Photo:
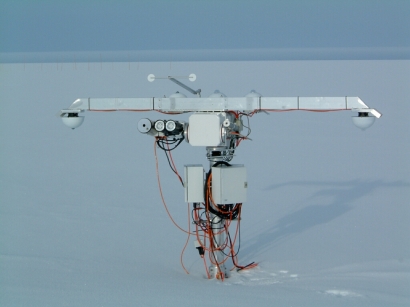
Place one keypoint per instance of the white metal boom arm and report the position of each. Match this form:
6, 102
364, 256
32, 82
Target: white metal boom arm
177, 105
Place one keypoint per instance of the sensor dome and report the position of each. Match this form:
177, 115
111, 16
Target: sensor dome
177, 95
253, 93
363, 122
217, 94
73, 122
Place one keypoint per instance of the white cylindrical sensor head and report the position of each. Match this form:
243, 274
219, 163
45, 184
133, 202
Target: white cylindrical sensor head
170, 125
144, 125
159, 125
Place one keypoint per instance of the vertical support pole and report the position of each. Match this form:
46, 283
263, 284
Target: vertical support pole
217, 269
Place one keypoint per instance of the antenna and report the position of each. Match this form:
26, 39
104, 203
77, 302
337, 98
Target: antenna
191, 77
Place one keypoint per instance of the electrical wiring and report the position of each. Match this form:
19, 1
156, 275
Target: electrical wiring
160, 191
225, 212
250, 114
207, 218
236, 114
249, 125
186, 243
173, 168
233, 253
212, 221
164, 144
172, 164
166, 141
237, 137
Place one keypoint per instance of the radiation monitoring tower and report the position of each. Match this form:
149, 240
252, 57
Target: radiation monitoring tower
219, 124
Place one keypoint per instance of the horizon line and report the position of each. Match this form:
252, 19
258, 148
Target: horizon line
192, 55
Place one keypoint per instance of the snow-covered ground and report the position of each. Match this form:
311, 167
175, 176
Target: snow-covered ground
327, 217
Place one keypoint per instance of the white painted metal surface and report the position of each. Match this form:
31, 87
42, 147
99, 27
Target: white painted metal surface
229, 184
205, 129
221, 104
194, 183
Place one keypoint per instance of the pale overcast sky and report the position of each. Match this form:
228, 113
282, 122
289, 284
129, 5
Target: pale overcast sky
105, 25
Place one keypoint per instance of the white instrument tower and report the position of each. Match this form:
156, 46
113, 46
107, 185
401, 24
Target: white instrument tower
217, 125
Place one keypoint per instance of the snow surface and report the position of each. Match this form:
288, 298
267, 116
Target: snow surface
327, 217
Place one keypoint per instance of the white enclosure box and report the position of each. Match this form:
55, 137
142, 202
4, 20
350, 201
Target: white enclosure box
229, 185
205, 129
194, 183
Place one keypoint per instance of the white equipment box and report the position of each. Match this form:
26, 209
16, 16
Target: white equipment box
229, 185
205, 129
194, 183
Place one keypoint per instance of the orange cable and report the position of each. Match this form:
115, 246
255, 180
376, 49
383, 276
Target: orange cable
209, 234
173, 164
186, 243
160, 189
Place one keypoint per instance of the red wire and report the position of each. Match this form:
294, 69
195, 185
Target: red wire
173, 164
186, 243
206, 228
160, 189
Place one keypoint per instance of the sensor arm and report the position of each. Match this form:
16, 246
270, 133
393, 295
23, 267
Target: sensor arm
316, 104
109, 104
250, 104
195, 92
220, 104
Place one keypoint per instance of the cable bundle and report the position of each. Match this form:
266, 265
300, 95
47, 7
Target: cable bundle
211, 220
